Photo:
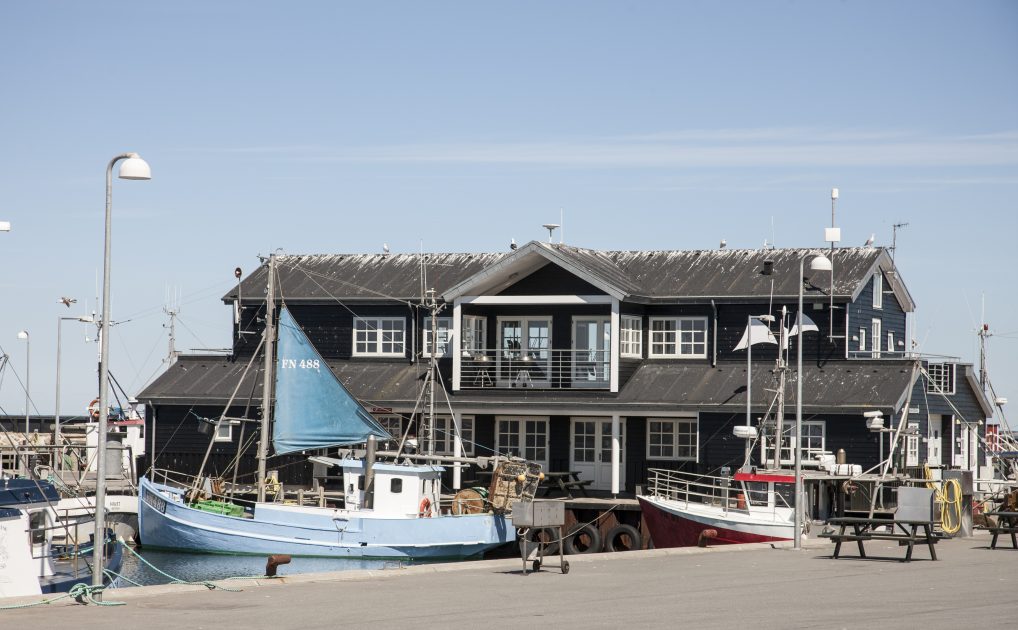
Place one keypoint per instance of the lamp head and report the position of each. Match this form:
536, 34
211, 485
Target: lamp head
821, 263
23, 334
135, 168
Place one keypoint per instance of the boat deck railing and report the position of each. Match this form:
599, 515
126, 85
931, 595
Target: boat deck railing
724, 492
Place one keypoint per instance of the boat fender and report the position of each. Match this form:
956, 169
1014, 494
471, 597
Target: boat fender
273, 563
425, 509
849, 487
582, 539
705, 535
623, 538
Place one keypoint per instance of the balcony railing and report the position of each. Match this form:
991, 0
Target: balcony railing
490, 368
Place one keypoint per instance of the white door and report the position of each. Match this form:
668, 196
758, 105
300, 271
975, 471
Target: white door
934, 456
591, 351
591, 452
962, 451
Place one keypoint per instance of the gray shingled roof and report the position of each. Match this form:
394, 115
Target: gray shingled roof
639, 275
662, 386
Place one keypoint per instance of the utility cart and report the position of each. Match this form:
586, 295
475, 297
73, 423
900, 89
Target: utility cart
534, 516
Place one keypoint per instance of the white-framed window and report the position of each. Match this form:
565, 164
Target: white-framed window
862, 340
912, 445
224, 432
890, 342
684, 337
475, 335
876, 336
524, 352
379, 336
631, 336
445, 435
523, 437
444, 336
394, 424
672, 438
878, 290
941, 378
812, 441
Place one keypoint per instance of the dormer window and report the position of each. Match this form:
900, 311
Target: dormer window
878, 290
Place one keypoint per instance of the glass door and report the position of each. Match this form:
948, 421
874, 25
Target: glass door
524, 356
591, 453
591, 360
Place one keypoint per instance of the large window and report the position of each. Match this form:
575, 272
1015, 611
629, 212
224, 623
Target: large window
475, 335
812, 441
379, 336
527, 438
445, 435
671, 438
631, 337
394, 425
444, 337
878, 290
941, 378
678, 337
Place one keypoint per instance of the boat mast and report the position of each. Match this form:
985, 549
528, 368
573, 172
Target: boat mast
779, 431
432, 369
268, 344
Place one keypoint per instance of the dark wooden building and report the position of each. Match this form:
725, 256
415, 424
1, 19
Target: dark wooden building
604, 362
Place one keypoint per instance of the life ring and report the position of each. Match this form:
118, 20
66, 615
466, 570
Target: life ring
425, 509
93, 409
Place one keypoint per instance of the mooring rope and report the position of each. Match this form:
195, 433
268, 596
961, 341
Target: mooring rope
175, 580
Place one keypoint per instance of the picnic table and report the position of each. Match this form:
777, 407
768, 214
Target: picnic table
1007, 523
905, 532
564, 482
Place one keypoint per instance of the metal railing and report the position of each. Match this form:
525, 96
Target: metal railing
723, 492
538, 368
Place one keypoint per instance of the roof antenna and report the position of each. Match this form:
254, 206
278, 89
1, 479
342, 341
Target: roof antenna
562, 224
894, 238
833, 235
551, 227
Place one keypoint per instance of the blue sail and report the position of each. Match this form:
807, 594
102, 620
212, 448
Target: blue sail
313, 408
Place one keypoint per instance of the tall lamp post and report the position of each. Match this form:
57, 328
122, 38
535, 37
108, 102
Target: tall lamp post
56, 407
133, 168
28, 377
819, 263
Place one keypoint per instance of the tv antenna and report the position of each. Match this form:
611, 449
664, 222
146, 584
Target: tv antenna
894, 238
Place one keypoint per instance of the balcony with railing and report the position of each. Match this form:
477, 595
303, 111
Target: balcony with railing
490, 368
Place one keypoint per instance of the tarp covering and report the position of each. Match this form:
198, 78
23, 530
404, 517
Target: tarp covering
313, 408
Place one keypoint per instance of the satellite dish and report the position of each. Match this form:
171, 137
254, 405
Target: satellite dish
551, 227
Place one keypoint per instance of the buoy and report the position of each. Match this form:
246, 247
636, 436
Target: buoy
740, 501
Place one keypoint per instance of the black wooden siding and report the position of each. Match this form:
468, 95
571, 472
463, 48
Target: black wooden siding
861, 314
551, 280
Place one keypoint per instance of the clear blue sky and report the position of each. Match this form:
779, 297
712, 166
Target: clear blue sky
322, 127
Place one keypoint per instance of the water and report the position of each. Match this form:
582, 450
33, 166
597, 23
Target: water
192, 567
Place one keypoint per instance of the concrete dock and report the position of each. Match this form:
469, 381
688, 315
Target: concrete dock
751, 586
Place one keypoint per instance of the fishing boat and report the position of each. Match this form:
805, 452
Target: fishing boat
390, 509
39, 552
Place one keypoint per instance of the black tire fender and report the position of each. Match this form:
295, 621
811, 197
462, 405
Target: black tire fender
574, 542
614, 540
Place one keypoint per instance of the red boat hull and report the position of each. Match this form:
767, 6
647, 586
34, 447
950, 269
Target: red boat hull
674, 530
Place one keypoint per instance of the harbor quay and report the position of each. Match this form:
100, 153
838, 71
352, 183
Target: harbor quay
757, 585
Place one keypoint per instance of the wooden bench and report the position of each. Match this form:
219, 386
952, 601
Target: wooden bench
1007, 523
906, 533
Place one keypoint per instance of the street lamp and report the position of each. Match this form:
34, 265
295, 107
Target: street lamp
28, 376
133, 168
56, 409
819, 263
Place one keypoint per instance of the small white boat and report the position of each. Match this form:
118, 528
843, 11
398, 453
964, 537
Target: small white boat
40, 553
683, 510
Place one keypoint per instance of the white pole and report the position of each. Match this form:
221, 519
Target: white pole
797, 539
749, 383
616, 452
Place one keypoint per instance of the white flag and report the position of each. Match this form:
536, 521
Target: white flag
808, 325
756, 332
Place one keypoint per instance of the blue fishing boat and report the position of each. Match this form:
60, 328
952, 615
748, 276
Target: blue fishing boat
390, 510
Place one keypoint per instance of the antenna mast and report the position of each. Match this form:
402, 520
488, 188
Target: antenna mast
833, 235
894, 238
172, 353
269, 339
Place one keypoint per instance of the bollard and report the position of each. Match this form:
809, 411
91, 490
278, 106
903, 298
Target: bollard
274, 562
706, 535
